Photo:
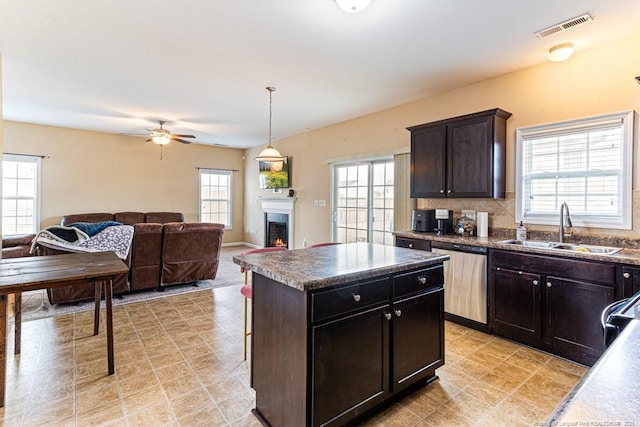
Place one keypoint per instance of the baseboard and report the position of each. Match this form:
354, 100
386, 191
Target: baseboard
251, 245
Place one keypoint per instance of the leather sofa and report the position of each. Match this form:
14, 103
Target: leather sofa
17, 245
165, 251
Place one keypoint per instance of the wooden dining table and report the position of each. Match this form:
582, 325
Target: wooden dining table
19, 275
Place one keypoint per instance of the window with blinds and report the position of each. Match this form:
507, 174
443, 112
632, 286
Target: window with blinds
20, 194
215, 196
586, 163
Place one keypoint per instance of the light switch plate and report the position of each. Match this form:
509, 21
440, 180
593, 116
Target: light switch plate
469, 214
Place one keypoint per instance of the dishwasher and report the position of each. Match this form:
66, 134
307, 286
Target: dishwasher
465, 283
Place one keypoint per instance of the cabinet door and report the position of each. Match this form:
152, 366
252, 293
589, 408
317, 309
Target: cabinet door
573, 317
630, 281
470, 158
515, 305
350, 360
428, 156
418, 338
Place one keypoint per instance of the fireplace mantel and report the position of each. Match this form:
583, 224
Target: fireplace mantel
282, 205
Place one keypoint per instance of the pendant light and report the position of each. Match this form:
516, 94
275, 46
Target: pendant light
353, 6
270, 154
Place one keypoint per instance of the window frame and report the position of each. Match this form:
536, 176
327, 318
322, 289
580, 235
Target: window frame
229, 200
370, 230
26, 158
626, 121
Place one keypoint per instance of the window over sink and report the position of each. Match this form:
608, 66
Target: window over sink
586, 163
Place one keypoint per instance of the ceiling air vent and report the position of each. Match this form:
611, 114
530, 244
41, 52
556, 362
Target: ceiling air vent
563, 26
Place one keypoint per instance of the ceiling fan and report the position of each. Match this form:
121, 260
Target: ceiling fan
162, 136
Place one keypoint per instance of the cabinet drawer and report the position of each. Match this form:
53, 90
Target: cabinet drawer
423, 245
416, 281
345, 299
561, 267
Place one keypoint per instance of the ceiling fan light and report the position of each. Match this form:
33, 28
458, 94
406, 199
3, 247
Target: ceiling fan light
161, 139
269, 154
561, 52
353, 6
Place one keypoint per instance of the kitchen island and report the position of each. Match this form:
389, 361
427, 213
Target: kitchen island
340, 331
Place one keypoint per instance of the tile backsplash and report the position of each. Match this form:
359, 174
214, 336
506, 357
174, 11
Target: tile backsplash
502, 218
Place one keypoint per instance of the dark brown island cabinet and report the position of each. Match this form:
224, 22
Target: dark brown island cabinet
461, 157
551, 303
334, 355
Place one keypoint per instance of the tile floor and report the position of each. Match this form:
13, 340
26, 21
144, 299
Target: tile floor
179, 363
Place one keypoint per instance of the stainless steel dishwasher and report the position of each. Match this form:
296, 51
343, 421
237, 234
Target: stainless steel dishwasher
465, 283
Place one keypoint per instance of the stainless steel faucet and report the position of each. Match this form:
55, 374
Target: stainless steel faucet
564, 207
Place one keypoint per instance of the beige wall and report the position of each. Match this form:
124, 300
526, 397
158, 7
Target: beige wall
590, 83
85, 171
1, 138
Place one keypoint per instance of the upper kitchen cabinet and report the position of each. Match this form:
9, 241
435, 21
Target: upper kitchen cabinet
461, 157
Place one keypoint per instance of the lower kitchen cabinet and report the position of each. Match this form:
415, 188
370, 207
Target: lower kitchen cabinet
630, 281
343, 351
550, 303
327, 357
516, 304
418, 338
573, 315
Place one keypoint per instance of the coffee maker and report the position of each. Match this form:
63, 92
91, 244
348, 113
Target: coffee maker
424, 220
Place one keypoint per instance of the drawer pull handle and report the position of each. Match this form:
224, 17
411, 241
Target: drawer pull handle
387, 316
549, 284
626, 275
422, 280
410, 245
536, 283
356, 297
398, 313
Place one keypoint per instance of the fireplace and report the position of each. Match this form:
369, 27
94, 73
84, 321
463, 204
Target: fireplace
278, 221
276, 230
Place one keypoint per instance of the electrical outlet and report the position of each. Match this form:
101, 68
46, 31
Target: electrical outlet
322, 203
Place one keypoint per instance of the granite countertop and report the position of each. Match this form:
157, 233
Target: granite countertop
314, 268
609, 393
626, 256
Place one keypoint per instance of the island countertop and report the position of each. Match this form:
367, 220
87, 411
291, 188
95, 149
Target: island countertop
314, 268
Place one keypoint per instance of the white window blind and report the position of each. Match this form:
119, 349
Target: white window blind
20, 194
585, 163
215, 196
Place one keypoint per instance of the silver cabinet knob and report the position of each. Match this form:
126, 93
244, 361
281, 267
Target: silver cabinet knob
519, 272
626, 275
398, 313
536, 283
498, 269
387, 316
410, 245
448, 191
422, 280
441, 191
356, 297
549, 284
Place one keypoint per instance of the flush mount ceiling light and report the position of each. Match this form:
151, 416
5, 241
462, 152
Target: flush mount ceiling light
561, 52
353, 6
269, 154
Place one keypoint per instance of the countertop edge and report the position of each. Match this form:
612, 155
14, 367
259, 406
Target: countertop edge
626, 256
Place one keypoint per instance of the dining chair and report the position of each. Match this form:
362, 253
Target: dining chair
247, 291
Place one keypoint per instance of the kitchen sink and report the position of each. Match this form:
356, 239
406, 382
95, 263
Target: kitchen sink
594, 249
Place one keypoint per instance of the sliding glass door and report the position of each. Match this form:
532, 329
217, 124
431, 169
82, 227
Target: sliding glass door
363, 202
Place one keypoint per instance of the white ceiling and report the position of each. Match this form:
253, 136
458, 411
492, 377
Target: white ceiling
203, 65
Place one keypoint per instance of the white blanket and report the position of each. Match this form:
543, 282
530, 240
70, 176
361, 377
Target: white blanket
116, 238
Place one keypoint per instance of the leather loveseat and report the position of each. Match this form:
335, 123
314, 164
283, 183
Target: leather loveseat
16, 245
165, 251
